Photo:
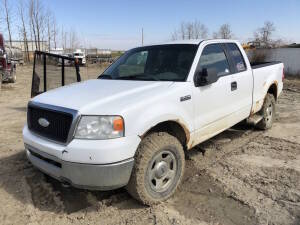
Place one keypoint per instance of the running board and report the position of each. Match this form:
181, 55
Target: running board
254, 119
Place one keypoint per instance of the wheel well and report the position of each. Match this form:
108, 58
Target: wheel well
273, 90
173, 128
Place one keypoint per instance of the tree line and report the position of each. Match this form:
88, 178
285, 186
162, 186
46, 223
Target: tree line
197, 30
31, 21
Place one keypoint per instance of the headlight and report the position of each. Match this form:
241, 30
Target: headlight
100, 127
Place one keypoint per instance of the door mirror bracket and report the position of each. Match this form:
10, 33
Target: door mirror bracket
205, 77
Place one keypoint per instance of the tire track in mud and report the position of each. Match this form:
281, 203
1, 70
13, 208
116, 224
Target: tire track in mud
200, 196
262, 175
50, 195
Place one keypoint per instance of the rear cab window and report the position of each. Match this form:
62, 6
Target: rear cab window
213, 56
237, 57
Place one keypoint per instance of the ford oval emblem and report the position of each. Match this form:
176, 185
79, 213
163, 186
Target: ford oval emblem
43, 122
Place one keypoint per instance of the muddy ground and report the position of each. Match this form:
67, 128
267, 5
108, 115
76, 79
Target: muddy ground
242, 176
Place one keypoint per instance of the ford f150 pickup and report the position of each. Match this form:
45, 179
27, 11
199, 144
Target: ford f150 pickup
132, 125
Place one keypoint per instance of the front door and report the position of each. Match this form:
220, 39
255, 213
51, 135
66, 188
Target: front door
213, 102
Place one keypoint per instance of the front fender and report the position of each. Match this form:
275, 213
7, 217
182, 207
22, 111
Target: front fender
148, 117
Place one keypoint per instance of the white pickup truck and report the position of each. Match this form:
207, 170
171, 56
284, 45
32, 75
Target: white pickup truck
132, 125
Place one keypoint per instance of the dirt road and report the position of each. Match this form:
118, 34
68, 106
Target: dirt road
242, 176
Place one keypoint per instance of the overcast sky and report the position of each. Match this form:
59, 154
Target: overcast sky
117, 24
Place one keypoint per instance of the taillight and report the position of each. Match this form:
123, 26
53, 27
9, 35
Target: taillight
282, 74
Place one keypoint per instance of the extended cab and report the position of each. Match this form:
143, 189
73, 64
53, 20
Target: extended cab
131, 126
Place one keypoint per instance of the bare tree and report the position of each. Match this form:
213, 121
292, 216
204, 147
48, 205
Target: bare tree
1, 18
38, 22
55, 32
23, 29
64, 35
190, 30
215, 35
225, 31
73, 39
8, 20
49, 21
174, 35
182, 30
200, 30
264, 33
32, 22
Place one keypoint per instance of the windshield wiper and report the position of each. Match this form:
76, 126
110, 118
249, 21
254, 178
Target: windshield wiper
138, 77
105, 76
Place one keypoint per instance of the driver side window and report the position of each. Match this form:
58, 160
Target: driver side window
213, 56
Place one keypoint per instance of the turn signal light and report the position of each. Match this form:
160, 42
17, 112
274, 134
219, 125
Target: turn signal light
118, 124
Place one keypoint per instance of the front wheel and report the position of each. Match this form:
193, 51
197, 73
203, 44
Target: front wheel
158, 170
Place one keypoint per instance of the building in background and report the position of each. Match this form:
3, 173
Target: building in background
18, 44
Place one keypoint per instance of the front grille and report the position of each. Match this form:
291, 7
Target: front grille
59, 123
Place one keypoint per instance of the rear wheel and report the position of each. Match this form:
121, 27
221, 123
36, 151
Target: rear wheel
159, 167
267, 112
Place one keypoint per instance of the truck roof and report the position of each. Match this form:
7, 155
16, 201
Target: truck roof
193, 41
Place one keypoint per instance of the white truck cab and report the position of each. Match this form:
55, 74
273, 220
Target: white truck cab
131, 126
80, 55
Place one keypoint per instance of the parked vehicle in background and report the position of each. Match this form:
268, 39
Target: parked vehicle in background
130, 126
7, 66
95, 55
78, 54
15, 55
66, 61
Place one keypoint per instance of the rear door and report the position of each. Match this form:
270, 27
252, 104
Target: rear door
242, 81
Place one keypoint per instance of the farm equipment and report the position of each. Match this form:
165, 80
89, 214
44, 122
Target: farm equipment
51, 71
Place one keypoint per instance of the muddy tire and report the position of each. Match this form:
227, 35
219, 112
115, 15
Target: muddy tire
268, 113
158, 169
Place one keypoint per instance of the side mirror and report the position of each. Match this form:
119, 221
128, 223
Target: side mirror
205, 77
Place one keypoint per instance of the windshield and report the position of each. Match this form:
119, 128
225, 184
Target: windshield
160, 63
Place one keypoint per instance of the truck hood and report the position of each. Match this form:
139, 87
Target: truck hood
101, 96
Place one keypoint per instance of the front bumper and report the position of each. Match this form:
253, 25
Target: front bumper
88, 164
81, 175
